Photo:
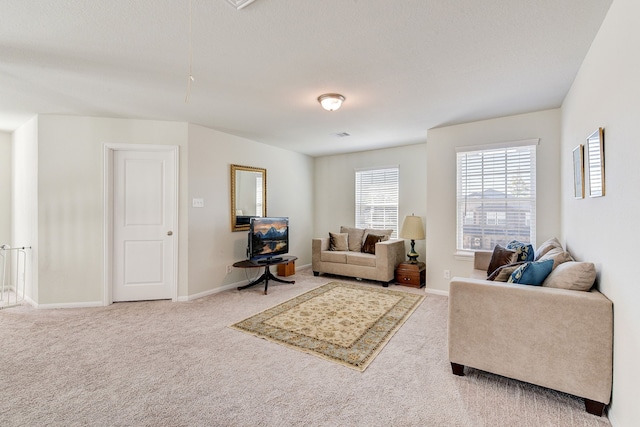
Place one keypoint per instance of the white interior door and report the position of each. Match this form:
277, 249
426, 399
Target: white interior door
144, 221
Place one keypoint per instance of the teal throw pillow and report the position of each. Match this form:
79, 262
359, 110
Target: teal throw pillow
524, 251
532, 273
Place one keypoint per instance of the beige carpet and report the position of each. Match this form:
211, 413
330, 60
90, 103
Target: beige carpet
345, 323
178, 364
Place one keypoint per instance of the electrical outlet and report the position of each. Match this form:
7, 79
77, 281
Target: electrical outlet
447, 274
229, 269
197, 203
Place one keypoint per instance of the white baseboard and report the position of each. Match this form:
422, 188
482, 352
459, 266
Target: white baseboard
225, 287
436, 292
68, 305
211, 291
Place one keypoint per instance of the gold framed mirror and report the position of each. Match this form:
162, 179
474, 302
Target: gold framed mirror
248, 195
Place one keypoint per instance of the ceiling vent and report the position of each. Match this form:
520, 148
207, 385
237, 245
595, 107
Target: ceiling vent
342, 134
239, 4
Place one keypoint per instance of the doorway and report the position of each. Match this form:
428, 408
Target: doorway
141, 212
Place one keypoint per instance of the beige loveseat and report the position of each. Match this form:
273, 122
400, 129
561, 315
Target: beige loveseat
352, 262
556, 338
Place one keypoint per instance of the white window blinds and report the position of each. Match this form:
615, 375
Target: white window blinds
377, 199
496, 196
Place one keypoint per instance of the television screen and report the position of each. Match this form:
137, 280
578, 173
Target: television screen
268, 238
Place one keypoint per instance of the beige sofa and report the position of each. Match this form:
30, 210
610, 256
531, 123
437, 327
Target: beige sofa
556, 338
354, 263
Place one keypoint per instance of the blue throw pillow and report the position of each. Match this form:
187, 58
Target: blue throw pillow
524, 251
532, 273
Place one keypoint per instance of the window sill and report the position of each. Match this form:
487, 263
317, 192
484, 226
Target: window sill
461, 255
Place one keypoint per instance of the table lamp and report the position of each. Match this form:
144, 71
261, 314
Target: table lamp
412, 229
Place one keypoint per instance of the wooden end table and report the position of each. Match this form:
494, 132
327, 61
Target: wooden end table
411, 274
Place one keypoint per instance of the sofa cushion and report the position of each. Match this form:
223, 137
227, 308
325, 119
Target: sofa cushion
525, 250
500, 256
370, 241
356, 235
558, 255
333, 256
502, 274
361, 258
546, 247
532, 273
338, 241
572, 275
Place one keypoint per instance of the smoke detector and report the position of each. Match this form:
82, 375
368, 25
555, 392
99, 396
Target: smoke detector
239, 4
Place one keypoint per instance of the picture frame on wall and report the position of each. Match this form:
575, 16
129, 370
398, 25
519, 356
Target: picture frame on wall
595, 156
578, 172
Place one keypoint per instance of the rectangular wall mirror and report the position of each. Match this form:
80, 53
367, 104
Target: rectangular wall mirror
248, 195
595, 156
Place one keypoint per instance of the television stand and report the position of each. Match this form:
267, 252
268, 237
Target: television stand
267, 275
270, 261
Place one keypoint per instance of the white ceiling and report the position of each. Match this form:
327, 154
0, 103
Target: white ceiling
405, 66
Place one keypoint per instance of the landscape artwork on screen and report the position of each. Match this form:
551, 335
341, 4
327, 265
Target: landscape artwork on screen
269, 236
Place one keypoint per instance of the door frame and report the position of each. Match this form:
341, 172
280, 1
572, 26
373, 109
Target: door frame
108, 181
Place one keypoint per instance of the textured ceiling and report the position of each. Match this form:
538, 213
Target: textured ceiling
404, 66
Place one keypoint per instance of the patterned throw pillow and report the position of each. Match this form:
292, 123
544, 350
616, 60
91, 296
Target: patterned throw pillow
502, 274
525, 251
532, 273
338, 241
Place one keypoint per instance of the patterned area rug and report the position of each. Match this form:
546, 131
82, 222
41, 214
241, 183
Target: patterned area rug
345, 323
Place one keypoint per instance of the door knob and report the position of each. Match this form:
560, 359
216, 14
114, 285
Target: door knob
169, 233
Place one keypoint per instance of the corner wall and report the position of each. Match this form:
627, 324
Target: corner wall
212, 244
606, 93
5, 188
441, 184
70, 201
335, 187
24, 199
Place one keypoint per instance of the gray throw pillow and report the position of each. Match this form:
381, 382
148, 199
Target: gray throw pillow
338, 241
356, 236
572, 275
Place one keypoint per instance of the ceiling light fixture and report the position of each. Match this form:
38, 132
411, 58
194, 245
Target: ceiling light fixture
331, 101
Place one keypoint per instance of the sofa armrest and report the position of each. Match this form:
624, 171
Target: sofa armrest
554, 338
389, 254
318, 245
481, 260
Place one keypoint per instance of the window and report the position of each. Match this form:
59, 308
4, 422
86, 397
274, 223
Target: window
496, 195
377, 199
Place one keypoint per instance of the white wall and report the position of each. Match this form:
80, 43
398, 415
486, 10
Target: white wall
5, 188
24, 199
212, 244
71, 200
606, 93
334, 203
441, 183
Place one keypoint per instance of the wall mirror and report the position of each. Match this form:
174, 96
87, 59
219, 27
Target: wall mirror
595, 157
248, 195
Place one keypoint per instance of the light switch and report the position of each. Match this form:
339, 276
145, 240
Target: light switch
198, 203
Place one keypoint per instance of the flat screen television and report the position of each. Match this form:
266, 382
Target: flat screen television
268, 238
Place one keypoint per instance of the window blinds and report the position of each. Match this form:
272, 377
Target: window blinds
496, 196
377, 199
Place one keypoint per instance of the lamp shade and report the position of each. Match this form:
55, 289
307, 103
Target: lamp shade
412, 228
